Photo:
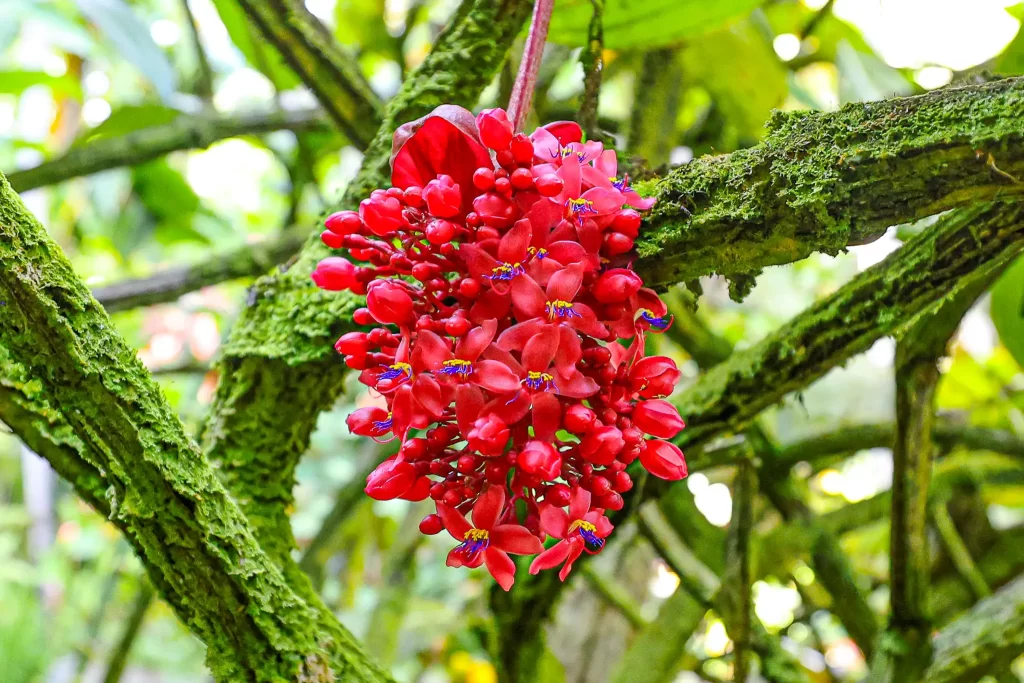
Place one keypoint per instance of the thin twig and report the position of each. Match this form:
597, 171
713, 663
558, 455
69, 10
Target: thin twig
958, 551
119, 656
522, 90
614, 595
204, 81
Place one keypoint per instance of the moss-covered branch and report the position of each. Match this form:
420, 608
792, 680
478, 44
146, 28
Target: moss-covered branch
279, 367
250, 260
321, 63
983, 640
185, 132
70, 380
876, 303
823, 181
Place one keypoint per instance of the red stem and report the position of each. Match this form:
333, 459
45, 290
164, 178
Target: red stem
522, 89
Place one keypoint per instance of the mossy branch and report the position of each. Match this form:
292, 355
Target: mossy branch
279, 367
64, 369
320, 62
250, 260
823, 181
983, 640
185, 132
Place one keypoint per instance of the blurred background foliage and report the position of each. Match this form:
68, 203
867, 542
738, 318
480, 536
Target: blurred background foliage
75, 73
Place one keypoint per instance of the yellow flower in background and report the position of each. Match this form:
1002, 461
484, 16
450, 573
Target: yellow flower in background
467, 669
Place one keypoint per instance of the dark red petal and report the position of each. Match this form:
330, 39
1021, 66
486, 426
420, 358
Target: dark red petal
552, 557
566, 131
569, 351
579, 504
515, 337
454, 522
553, 521
587, 322
515, 539
565, 284
547, 416
575, 550
501, 567
429, 352
540, 350
496, 377
427, 393
577, 385
528, 299
512, 248
476, 340
468, 402
479, 262
487, 507
491, 305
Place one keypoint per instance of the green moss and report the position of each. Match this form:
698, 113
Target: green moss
822, 181
112, 431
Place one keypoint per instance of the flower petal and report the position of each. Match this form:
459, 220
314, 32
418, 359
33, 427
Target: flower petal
477, 260
577, 385
553, 521
528, 299
492, 304
429, 352
540, 351
472, 344
516, 539
512, 248
454, 522
487, 507
547, 416
569, 351
501, 567
469, 401
516, 337
575, 549
552, 557
565, 284
496, 377
579, 504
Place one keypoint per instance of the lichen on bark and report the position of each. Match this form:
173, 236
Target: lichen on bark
59, 349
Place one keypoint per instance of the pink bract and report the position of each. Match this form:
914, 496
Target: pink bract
508, 351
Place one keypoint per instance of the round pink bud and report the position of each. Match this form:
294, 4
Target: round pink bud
522, 149
344, 223
616, 285
390, 480
549, 185
602, 445
483, 179
540, 459
658, 418
578, 418
558, 495
440, 231
615, 243
443, 197
352, 344
495, 128
382, 214
664, 460
431, 525
489, 435
332, 239
654, 376
334, 274
495, 209
627, 222
389, 302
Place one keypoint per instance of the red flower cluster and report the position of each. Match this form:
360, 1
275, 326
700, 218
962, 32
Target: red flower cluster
498, 274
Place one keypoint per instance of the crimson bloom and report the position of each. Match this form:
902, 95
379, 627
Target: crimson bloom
486, 541
581, 529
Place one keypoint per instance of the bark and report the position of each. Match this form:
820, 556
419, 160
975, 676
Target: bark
250, 260
822, 181
321, 63
279, 367
878, 302
71, 384
983, 640
185, 132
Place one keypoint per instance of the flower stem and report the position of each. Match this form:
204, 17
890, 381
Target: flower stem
522, 90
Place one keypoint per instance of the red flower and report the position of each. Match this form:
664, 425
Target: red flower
486, 541
581, 529
496, 321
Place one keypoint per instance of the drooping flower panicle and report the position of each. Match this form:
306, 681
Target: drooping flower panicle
509, 336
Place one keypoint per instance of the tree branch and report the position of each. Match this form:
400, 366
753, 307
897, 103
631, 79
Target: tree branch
988, 636
958, 551
326, 69
59, 349
279, 367
824, 181
185, 132
250, 260
614, 595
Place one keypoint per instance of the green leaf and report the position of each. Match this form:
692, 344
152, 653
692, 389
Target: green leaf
16, 82
128, 119
1012, 59
163, 190
1008, 310
863, 77
359, 24
131, 38
738, 67
644, 23
257, 52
